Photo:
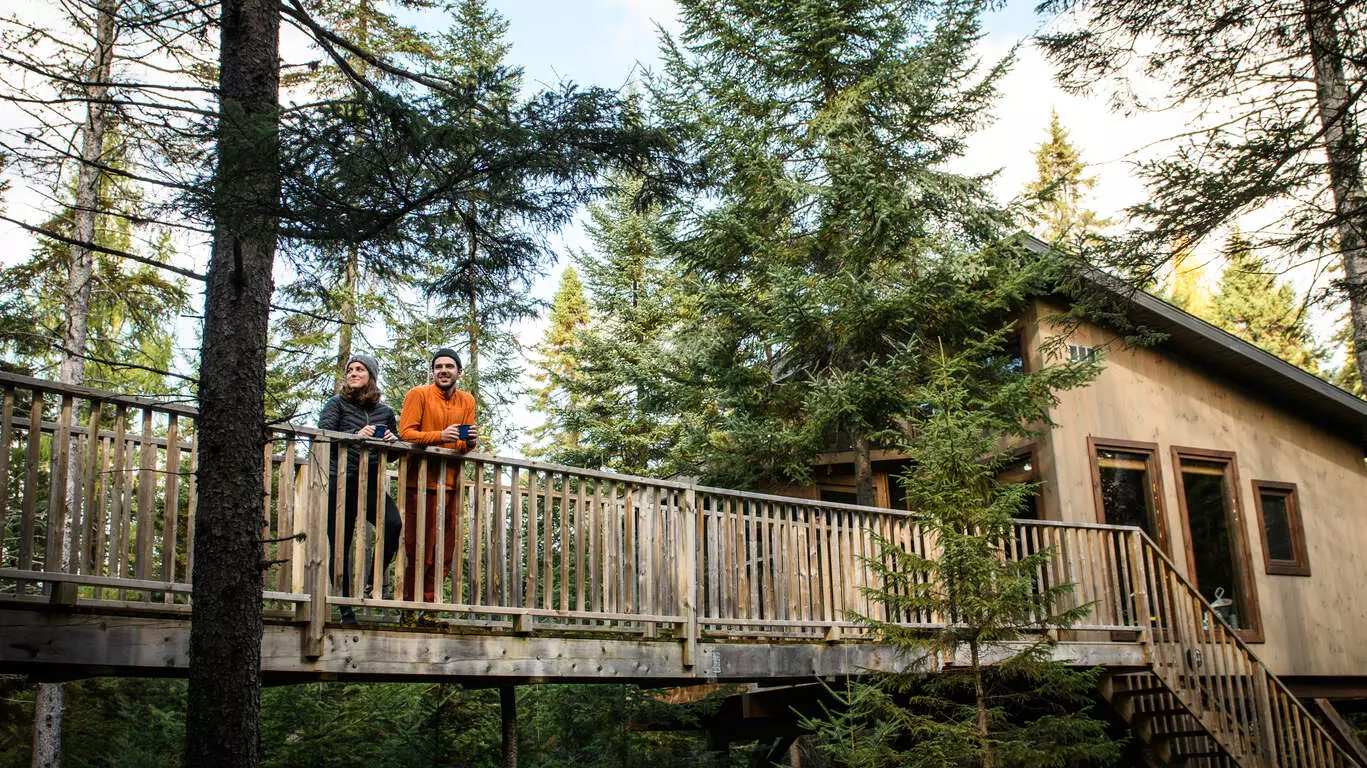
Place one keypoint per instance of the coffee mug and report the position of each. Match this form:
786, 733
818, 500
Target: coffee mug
465, 431
379, 431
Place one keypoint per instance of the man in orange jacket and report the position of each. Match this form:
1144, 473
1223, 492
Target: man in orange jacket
440, 415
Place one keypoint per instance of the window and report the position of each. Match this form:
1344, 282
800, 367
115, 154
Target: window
1126, 486
1078, 353
1284, 550
839, 495
1217, 543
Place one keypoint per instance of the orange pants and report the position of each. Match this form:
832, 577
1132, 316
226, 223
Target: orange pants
430, 577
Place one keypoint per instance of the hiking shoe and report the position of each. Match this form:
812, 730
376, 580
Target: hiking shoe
408, 619
348, 616
426, 620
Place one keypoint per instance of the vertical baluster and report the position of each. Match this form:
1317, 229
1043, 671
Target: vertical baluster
565, 542
170, 516
580, 543
190, 515
515, 553
82, 534
375, 574
439, 532
6, 437
59, 502
498, 542
29, 505
146, 495
358, 523
286, 505
268, 453
547, 540
535, 512
464, 532
595, 558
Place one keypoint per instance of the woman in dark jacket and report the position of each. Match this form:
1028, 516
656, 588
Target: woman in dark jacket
358, 410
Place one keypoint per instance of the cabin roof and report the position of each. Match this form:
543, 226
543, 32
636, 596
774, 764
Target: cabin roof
1240, 363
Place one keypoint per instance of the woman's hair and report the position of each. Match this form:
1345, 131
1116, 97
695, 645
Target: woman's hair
367, 394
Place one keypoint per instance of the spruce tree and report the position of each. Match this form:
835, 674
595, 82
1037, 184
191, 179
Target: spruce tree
1055, 202
555, 364
1004, 701
830, 242
634, 409
1253, 305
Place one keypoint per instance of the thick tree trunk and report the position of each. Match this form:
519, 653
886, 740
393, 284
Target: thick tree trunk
507, 697
1345, 161
47, 714
980, 699
863, 470
47, 727
344, 334
222, 719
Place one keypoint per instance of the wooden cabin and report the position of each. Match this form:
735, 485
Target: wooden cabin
1248, 472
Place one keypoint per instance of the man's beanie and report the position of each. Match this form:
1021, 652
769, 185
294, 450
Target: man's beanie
445, 352
369, 363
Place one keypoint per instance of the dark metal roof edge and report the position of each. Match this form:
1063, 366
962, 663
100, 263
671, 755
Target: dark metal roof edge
1179, 320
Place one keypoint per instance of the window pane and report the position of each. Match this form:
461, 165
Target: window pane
1203, 484
839, 497
1126, 490
1277, 525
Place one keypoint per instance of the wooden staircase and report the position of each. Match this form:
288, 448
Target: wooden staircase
1207, 700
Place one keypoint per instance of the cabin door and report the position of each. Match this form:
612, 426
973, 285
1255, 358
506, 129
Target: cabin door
1217, 546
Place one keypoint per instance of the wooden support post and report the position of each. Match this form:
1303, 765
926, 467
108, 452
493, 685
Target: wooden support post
1263, 727
314, 510
689, 582
507, 698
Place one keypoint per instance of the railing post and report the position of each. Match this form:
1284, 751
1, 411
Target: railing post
1140, 605
691, 563
1262, 730
314, 613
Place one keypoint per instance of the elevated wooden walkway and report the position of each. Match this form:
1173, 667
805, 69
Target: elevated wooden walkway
560, 574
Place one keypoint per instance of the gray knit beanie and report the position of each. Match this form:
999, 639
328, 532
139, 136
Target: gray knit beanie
370, 365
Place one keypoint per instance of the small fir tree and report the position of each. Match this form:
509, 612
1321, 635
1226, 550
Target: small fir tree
1005, 701
556, 363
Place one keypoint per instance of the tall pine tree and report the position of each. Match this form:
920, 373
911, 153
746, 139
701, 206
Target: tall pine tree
831, 242
1056, 201
556, 362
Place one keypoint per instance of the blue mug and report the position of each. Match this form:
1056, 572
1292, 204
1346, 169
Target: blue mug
465, 431
379, 431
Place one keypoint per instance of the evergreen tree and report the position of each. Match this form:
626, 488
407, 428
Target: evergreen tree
556, 362
630, 400
1055, 202
830, 242
1253, 305
1006, 701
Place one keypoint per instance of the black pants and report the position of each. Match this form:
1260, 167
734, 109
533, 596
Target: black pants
393, 526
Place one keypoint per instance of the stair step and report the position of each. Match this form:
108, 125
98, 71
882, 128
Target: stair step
1143, 691
1170, 735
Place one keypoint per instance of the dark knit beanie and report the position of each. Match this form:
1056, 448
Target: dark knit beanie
370, 365
446, 352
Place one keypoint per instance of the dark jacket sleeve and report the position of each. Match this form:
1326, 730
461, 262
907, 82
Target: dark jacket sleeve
331, 417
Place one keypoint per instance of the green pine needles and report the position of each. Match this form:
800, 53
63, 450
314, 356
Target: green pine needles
974, 625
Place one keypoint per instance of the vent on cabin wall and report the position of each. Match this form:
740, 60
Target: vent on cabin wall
1078, 353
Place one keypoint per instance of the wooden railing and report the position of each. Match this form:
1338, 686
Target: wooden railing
99, 509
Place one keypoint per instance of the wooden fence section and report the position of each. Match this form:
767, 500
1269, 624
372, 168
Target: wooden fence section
99, 509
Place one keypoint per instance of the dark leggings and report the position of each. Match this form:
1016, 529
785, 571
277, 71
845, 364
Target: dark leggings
393, 526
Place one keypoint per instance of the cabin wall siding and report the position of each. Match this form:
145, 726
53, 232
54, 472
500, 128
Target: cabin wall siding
1312, 625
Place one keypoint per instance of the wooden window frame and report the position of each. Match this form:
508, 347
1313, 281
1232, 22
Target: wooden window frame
1300, 566
1160, 520
1234, 518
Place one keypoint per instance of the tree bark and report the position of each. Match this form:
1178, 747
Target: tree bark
980, 699
47, 727
1345, 161
47, 713
507, 698
863, 470
224, 699
344, 333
